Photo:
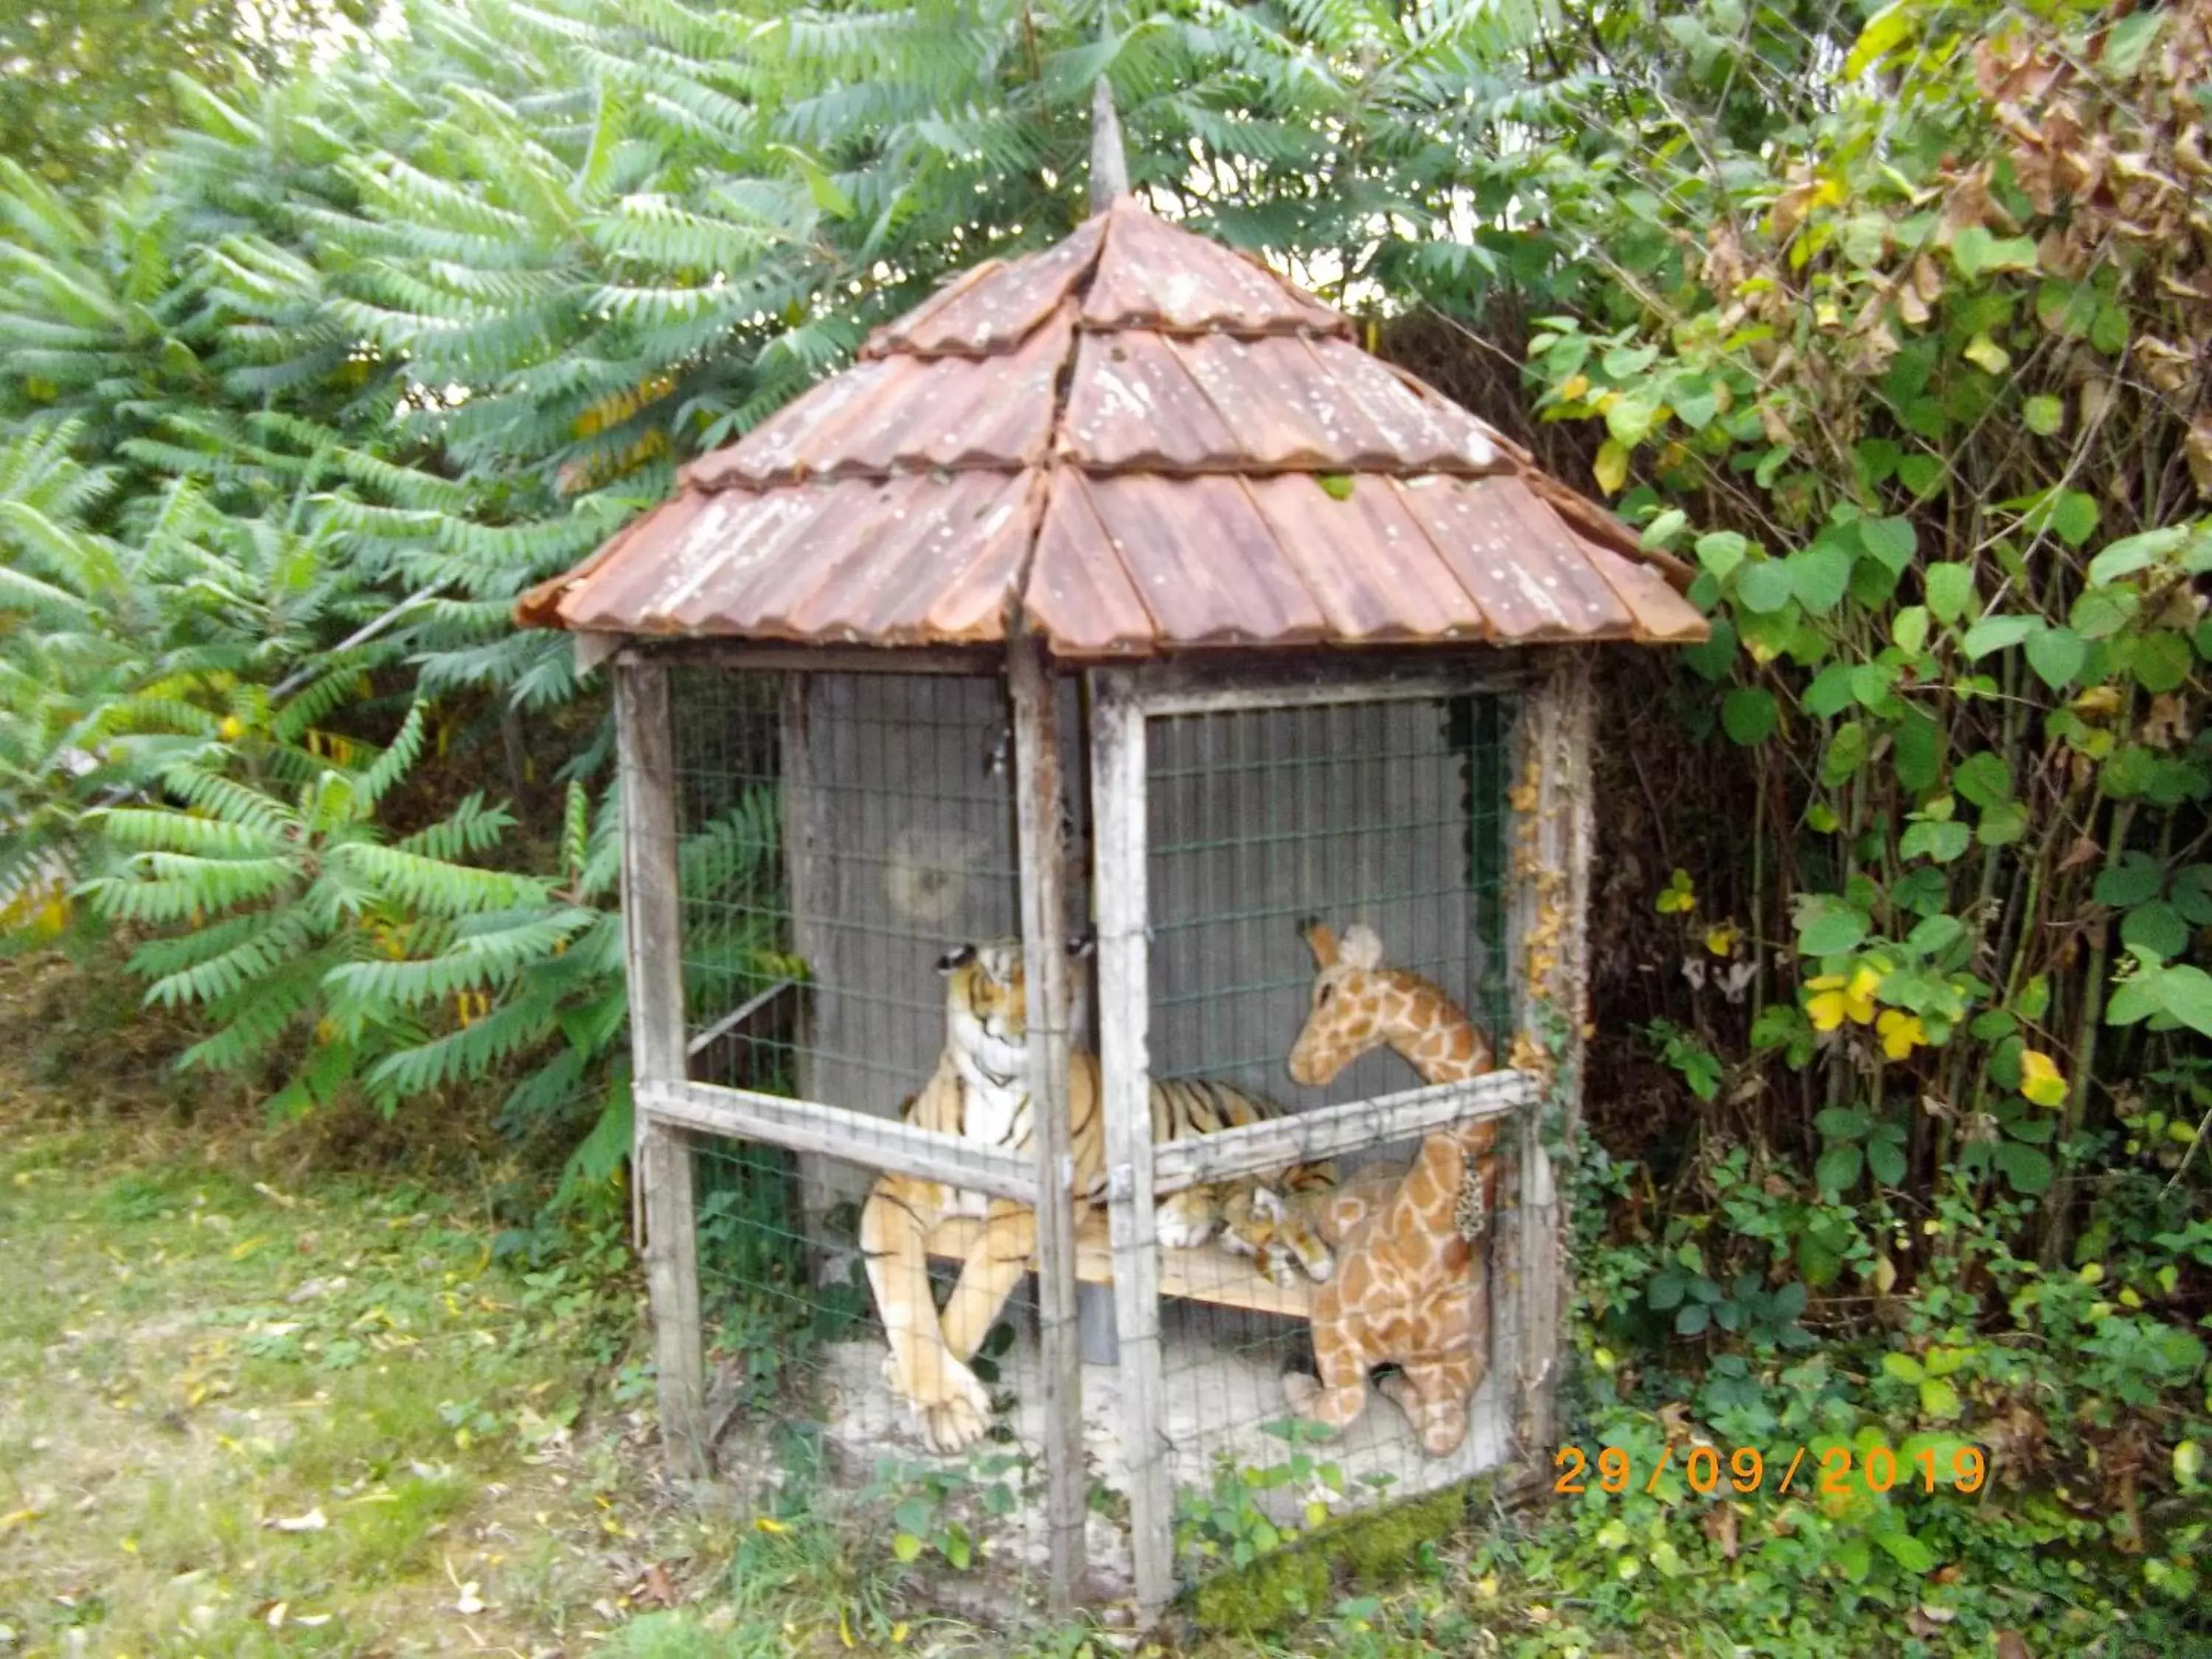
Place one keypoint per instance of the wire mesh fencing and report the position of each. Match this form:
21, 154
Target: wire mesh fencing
839, 833
1384, 822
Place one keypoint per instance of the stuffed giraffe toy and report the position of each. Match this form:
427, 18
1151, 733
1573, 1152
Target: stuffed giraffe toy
1408, 1290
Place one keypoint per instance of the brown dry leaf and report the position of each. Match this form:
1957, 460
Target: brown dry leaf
2198, 446
2168, 725
1719, 1524
2166, 365
2086, 850
1790, 207
1927, 279
2009, 1645
1970, 203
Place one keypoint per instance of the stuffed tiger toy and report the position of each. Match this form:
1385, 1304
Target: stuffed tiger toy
980, 1091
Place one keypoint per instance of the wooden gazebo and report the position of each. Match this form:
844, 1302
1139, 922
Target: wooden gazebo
1122, 488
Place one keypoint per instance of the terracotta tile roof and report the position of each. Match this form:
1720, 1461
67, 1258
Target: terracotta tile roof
1143, 441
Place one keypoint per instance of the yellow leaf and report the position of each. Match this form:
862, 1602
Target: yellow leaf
1720, 940
1985, 353
1901, 1033
1612, 466
769, 1524
16, 1518
1884, 31
1859, 996
230, 729
2040, 1079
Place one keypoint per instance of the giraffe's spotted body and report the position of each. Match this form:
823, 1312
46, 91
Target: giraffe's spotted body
1409, 1289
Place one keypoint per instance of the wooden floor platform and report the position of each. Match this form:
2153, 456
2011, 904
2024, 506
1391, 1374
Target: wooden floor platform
1208, 1273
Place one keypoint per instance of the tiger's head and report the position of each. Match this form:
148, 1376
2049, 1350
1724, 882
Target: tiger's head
987, 1010
1281, 1242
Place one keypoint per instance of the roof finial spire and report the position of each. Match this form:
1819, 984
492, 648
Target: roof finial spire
1110, 169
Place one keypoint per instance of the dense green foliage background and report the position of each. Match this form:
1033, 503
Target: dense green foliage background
1892, 322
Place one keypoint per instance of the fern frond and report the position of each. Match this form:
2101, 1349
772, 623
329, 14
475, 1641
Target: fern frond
435, 886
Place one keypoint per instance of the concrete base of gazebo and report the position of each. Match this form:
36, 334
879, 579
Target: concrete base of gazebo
1227, 1370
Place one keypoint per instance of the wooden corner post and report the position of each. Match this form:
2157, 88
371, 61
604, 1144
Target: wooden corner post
1039, 812
1118, 834
661, 1157
1552, 830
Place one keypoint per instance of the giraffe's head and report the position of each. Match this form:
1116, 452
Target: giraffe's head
1343, 1023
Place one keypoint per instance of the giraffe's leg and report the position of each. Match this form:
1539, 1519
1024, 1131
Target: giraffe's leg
1002, 1253
1340, 1355
1434, 1395
1442, 1382
949, 1402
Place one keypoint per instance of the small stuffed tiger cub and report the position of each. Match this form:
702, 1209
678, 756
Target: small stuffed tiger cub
1267, 1217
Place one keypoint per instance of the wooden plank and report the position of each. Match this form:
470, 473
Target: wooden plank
817, 659
810, 1126
1117, 804
660, 1155
737, 1016
1194, 686
1207, 1274
1557, 883
1038, 806
1329, 1131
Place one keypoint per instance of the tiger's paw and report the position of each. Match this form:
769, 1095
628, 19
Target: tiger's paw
952, 1427
960, 1415
1181, 1229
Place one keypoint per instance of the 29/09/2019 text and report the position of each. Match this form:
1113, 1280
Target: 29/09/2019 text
1837, 1469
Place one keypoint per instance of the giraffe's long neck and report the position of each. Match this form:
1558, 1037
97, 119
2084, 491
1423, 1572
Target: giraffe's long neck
1427, 1197
1428, 1030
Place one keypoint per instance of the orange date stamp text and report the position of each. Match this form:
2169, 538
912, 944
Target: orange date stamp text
1831, 1471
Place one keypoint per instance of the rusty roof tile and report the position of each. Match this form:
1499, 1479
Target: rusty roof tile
1529, 576
910, 413
1132, 403
1370, 567
996, 310
939, 564
1080, 594
1204, 560
1662, 617
1153, 275
1131, 462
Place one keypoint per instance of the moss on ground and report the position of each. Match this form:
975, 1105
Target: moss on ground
1367, 1550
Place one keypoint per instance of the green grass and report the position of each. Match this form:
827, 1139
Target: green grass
238, 1418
